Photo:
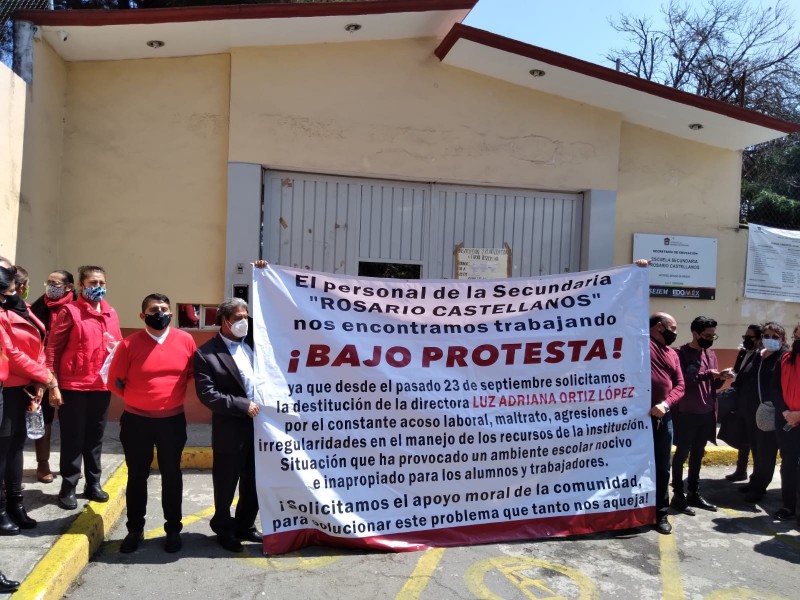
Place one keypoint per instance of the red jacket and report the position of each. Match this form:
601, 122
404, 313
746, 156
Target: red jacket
24, 347
76, 347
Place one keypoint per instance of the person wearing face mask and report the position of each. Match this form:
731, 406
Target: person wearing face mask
764, 443
745, 370
6, 585
59, 290
150, 371
787, 426
82, 335
223, 378
666, 390
22, 339
695, 421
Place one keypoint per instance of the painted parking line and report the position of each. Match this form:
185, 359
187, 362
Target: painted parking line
762, 527
421, 575
669, 561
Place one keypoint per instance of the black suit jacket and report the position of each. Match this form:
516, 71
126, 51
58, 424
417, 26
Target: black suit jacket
220, 387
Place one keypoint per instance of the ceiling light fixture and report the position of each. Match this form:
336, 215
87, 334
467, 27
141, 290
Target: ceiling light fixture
537, 73
352, 27
696, 126
155, 44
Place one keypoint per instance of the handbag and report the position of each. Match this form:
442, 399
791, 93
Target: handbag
727, 403
732, 431
765, 416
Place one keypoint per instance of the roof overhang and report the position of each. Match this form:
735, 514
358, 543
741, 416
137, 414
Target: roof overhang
83, 35
637, 100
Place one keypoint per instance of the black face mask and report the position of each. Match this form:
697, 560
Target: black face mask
796, 347
748, 343
704, 343
157, 321
669, 336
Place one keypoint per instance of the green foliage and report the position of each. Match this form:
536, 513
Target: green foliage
768, 208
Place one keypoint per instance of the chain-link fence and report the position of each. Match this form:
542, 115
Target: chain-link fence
771, 209
7, 10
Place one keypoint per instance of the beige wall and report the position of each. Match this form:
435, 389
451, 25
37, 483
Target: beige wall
144, 177
141, 186
12, 125
391, 109
39, 232
673, 186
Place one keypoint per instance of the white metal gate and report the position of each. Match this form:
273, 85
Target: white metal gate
330, 224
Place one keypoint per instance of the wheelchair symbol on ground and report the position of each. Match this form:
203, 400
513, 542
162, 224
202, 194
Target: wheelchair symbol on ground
532, 578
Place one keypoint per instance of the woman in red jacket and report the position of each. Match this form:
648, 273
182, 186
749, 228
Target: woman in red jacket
787, 426
80, 339
6, 585
22, 338
59, 290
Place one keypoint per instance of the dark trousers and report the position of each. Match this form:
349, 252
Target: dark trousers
662, 448
229, 469
691, 434
12, 439
765, 455
138, 436
83, 419
789, 443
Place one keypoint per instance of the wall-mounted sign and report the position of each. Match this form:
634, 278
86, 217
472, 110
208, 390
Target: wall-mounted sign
482, 263
773, 264
680, 266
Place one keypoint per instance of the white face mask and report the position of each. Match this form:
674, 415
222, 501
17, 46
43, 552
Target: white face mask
772, 345
239, 328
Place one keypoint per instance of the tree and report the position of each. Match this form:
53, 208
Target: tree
736, 52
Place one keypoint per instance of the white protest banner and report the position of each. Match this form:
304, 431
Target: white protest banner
773, 264
407, 414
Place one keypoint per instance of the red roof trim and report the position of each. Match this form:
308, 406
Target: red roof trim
492, 40
94, 18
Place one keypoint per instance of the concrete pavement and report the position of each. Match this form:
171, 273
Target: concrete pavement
52, 556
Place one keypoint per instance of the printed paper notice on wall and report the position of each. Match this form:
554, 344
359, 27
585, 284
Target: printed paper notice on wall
680, 266
773, 264
482, 263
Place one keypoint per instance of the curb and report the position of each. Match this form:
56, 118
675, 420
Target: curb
720, 456
53, 575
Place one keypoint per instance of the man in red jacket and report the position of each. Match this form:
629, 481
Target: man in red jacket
150, 371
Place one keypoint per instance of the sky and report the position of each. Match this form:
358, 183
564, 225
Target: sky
579, 28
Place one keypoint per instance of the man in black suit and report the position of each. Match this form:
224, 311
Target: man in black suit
223, 377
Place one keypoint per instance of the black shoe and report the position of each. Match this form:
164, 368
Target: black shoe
7, 585
67, 499
95, 493
679, 504
785, 514
663, 526
173, 542
249, 535
20, 516
7, 526
230, 543
131, 542
737, 476
698, 501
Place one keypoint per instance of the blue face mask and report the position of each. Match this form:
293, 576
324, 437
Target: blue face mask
771, 345
94, 294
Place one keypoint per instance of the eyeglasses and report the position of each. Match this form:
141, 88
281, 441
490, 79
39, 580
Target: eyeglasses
710, 338
767, 336
55, 284
748, 337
